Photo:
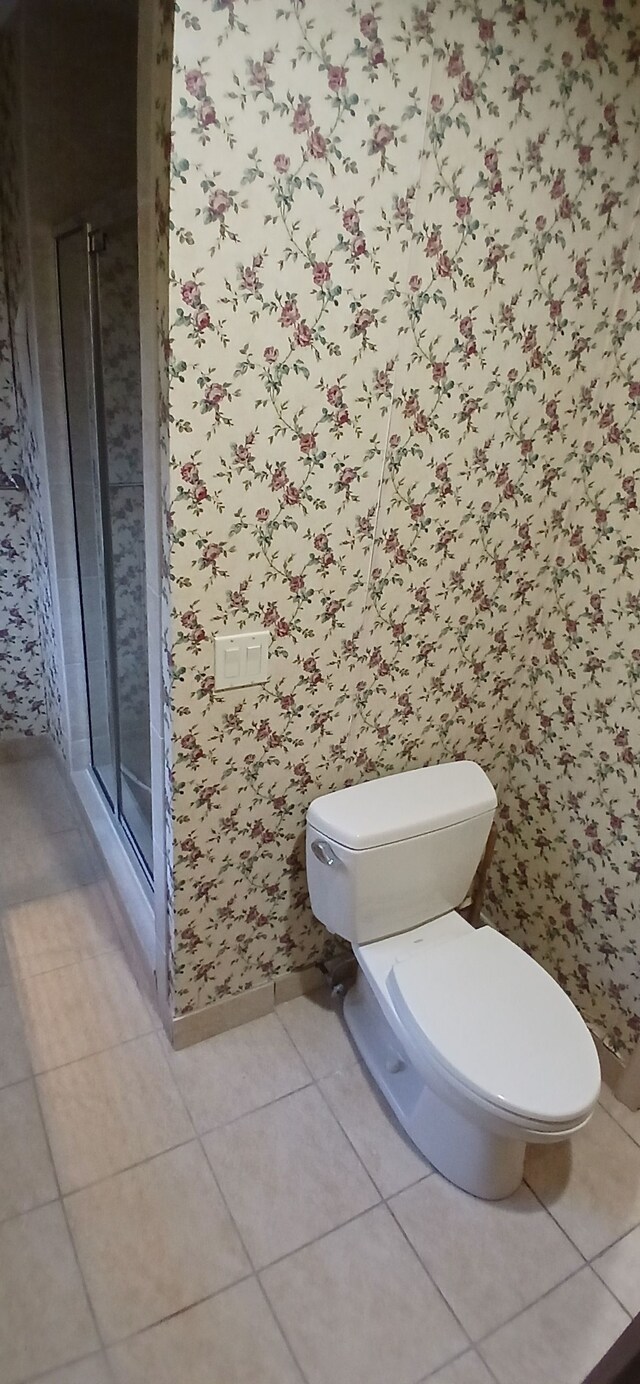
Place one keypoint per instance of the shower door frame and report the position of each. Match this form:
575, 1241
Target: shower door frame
92, 226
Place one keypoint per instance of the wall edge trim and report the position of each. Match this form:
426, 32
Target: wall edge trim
234, 1010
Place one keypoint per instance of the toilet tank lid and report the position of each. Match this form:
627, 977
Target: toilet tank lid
403, 805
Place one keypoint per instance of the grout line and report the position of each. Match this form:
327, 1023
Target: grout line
618, 1122
20, 975
393, 1121
254, 1272
99, 1354
23, 1038
179, 1312
242, 1278
611, 1290
428, 1168
306, 1244
293, 1041
130, 1167
63, 1208
619, 1125
285, 1030
429, 1276
280, 1328
587, 1260
461, 1355
121, 1043
618, 1240
8, 904
351, 1220
556, 1222
108, 1047
584, 1268
254, 1109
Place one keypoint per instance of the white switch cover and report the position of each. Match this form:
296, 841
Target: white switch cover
240, 659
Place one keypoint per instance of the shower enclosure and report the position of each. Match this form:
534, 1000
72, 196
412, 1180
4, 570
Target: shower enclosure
99, 315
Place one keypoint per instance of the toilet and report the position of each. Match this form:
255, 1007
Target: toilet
476, 1048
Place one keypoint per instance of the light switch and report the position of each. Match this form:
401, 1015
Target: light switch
240, 659
232, 663
254, 662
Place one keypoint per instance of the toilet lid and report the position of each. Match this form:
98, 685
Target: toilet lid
492, 1017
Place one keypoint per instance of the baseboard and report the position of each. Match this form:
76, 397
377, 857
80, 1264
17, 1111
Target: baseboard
628, 1086
18, 747
233, 1010
294, 983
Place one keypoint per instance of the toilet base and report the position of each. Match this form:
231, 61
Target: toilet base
476, 1159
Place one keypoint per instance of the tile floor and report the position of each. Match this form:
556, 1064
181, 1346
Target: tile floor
246, 1211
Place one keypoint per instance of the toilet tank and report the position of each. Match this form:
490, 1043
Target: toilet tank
385, 856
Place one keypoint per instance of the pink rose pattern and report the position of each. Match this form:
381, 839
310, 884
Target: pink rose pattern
412, 231
29, 687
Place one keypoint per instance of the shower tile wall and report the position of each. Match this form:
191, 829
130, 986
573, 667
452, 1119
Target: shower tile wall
30, 693
71, 164
404, 400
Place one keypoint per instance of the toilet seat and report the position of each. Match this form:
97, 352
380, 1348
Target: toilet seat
490, 1018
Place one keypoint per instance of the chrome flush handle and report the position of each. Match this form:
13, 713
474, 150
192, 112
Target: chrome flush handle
324, 853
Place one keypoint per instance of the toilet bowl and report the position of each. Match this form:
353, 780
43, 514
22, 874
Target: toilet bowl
476, 1048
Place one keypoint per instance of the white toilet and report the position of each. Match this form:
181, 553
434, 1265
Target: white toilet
477, 1050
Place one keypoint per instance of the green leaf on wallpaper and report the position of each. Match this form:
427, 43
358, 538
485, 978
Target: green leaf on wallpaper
313, 182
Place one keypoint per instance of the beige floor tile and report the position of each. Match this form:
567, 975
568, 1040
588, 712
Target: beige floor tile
319, 1032
230, 1339
560, 1338
468, 1369
46, 865
44, 1314
111, 1110
46, 933
591, 1185
237, 1071
154, 1240
27, 1178
513, 1250
77, 1010
629, 1119
15, 1064
619, 1268
288, 1174
34, 799
359, 1306
386, 1151
93, 1370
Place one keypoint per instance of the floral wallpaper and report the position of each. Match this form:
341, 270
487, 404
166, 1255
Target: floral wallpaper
404, 395
27, 688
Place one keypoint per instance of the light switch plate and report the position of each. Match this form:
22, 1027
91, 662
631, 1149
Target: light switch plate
240, 659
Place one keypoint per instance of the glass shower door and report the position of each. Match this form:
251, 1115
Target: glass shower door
98, 280
75, 317
115, 272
